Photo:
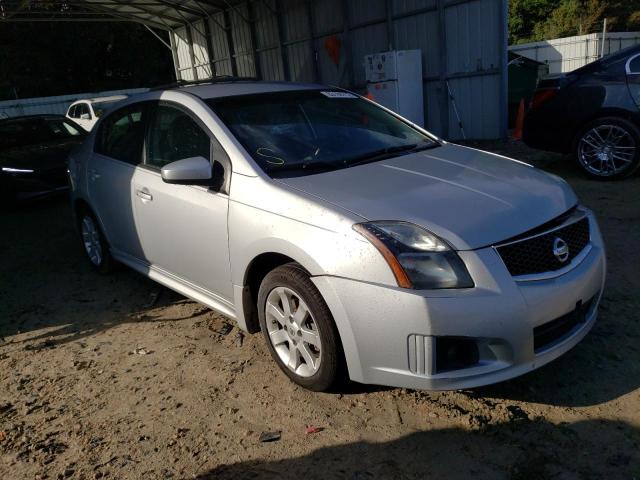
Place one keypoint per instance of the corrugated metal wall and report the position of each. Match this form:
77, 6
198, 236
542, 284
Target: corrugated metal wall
54, 105
463, 44
566, 54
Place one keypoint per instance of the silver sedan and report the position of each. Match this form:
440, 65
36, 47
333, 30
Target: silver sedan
361, 245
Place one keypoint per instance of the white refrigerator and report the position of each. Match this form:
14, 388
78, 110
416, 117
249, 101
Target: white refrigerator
394, 80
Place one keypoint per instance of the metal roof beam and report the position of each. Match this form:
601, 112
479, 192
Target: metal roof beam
178, 6
159, 37
135, 18
209, 14
160, 14
237, 10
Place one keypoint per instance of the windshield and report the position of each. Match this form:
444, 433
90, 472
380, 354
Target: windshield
310, 131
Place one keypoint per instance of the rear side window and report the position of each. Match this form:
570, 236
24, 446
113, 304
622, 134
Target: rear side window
174, 135
72, 111
82, 109
121, 135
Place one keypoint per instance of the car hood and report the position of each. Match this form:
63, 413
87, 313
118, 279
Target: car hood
468, 197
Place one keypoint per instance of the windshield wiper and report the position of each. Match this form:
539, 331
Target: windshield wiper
387, 152
314, 167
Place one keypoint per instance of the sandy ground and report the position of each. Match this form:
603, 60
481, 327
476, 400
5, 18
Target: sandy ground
117, 377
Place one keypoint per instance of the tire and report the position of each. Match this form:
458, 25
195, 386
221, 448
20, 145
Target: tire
608, 148
94, 243
305, 347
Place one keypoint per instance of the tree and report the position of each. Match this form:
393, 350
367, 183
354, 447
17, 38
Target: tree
534, 20
571, 17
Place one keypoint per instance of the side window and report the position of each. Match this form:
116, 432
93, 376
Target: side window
72, 111
83, 109
121, 135
174, 135
633, 67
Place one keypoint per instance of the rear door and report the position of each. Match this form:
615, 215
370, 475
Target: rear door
633, 77
183, 228
118, 151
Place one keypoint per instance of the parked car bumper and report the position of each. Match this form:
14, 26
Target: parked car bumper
391, 336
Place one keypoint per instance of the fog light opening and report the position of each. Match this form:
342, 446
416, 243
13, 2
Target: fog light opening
455, 353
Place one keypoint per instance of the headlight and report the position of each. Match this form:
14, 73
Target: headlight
418, 258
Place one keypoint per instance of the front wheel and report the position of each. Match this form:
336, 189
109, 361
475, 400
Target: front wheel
609, 148
299, 329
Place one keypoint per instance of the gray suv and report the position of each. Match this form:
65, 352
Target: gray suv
358, 243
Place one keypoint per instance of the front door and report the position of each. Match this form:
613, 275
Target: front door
183, 228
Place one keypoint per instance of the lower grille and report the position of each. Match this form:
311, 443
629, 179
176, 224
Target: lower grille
551, 332
536, 255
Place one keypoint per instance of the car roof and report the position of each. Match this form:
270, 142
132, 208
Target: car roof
220, 89
112, 98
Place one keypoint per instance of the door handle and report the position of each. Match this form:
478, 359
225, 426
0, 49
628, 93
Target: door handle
144, 195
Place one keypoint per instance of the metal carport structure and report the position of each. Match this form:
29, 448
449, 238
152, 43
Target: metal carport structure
463, 43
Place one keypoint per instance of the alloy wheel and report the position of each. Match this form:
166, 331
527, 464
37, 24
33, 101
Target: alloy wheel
293, 332
91, 240
606, 150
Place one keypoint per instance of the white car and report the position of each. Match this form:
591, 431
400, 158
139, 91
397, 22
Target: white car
356, 241
86, 112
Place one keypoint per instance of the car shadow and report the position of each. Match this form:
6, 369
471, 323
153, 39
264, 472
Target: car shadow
520, 449
48, 287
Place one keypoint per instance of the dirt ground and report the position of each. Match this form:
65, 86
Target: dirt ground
116, 377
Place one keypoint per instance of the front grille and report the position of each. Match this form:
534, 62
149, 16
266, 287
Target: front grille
535, 255
551, 332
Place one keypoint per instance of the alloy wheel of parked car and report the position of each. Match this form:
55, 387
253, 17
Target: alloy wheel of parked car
293, 331
298, 328
94, 243
609, 148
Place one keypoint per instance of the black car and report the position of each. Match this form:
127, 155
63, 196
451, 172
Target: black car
33, 154
593, 112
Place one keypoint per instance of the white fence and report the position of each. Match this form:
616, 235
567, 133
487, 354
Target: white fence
53, 105
566, 54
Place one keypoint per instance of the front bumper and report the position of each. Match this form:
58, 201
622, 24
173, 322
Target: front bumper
388, 333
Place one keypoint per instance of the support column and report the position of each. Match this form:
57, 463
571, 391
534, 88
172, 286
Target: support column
192, 55
174, 55
444, 91
283, 52
229, 34
254, 39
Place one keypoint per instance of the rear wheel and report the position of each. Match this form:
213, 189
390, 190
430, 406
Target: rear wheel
609, 148
298, 328
94, 242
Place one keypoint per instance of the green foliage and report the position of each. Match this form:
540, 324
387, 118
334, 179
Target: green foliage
534, 20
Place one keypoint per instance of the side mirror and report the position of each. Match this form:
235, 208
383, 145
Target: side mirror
190, 171
85, 116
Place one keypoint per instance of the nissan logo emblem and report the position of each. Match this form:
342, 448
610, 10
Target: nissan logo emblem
560, 250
